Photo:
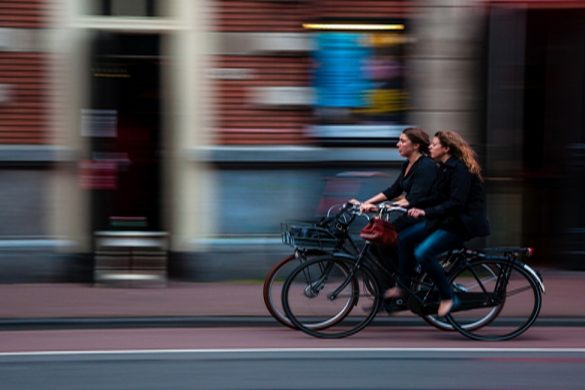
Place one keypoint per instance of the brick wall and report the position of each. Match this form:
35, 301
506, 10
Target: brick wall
287, 16
261, 16
360, 8
24, 112
548, 4
24, 13
240, 121
24, 78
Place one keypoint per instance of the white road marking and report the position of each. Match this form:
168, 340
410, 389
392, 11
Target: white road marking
281, 350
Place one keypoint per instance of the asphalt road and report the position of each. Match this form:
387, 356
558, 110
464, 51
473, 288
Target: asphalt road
298, 369
546, 357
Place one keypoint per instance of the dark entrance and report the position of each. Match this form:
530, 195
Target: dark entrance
537, 124
123, 125
554, 132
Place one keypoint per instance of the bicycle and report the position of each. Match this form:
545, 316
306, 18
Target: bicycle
330, 235
485, 282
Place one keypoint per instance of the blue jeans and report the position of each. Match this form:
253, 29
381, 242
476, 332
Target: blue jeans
417, 245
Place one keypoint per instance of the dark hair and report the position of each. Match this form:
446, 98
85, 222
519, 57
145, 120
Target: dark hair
418, 136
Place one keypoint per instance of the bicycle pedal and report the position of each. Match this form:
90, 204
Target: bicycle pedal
394, 305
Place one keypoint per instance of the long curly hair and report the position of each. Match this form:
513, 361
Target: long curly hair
459, 148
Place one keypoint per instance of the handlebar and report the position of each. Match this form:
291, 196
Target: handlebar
385, 207
353, 209
388, 207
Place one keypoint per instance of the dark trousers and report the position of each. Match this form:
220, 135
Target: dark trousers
417, 245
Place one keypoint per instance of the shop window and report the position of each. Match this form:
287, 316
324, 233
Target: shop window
358, 81
140, 8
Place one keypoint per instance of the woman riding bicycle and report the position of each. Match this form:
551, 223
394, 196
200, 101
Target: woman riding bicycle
413, 184
416, 178
456, 213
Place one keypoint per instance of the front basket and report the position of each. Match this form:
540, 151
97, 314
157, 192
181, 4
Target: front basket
308, 235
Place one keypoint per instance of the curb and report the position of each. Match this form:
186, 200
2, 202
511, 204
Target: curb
18, 324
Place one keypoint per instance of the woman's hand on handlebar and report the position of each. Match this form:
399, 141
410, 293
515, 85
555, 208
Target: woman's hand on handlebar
365, 207
368, 207
416, 213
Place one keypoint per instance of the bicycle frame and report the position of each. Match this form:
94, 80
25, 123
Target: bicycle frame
498, 296
365, 258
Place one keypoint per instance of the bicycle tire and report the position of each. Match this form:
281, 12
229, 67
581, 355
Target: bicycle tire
272, 297
272, 288
306, 297
517, 310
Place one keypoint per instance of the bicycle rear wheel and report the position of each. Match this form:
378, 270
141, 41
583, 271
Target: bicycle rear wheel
461, 285
498, 296
324, 292
272, 289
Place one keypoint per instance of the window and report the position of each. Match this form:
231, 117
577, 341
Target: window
358, 79
140, 8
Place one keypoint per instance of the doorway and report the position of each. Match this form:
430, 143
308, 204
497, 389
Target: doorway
123, 128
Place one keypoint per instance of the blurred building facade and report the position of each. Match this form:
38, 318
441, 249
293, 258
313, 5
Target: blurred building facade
213, 121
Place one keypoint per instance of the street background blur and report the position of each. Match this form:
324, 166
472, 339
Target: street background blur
143, 141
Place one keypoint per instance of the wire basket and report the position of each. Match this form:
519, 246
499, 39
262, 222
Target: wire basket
308, 235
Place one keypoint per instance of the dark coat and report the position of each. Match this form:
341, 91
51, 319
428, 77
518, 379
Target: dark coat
417, 184
459, 203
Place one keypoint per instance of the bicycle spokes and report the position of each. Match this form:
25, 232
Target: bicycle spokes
499, 300
321, 298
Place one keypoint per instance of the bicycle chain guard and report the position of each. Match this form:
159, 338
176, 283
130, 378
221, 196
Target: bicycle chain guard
419, 307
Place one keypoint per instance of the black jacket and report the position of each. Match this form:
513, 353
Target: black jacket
417, 185
459, 201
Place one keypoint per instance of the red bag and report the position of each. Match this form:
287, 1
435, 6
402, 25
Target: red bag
380, 232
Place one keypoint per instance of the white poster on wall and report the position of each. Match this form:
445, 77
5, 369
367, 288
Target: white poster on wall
99, 123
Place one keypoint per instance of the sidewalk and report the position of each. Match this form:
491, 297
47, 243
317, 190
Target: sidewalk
27, 303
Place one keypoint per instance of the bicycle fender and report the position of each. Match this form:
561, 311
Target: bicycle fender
535, 275
342, 255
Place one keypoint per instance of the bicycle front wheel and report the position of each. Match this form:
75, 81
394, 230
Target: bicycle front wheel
324, 292
500, 298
